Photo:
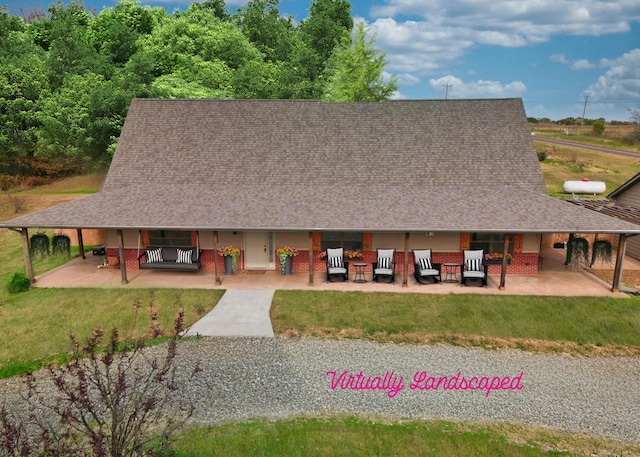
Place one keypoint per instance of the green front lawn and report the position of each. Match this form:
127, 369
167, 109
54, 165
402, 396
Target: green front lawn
462, 319
351, 436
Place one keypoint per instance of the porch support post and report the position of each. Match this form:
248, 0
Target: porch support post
505, 251
311, 258
215, 258
80, 243
406, 260
617, 272
28, 266
123, 261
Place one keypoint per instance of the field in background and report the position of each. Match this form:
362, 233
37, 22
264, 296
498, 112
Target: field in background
614, 136
18, 201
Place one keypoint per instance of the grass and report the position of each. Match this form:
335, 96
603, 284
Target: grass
572, 164
36, 324
614, 135
574, 324
353, 436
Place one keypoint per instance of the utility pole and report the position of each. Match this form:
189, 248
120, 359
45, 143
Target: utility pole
584, 109
446, 92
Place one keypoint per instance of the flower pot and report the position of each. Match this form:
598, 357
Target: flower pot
287, 267
496, 262
228, 264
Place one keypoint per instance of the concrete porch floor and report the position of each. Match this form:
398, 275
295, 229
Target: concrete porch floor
554, 278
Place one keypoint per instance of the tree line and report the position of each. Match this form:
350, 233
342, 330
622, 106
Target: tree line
67, 76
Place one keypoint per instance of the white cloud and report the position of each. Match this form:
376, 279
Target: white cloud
477, 89
414, 47
582, 64
559, 58
579, 64
513, 23
621, 82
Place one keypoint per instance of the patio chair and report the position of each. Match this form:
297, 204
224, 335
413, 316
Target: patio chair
474, 267
385, 266
423, 268
336, 264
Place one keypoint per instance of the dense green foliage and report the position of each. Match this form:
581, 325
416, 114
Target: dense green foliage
18, 283
67, 76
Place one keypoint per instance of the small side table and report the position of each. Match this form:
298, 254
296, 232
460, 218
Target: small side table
360, 267
451, 272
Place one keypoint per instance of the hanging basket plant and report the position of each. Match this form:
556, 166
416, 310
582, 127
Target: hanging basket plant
577, 251
39, 244
61, 245
601, 250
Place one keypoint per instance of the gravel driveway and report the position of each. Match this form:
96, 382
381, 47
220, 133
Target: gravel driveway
277, 377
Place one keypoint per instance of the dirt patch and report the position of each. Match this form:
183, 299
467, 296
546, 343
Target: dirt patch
630, 278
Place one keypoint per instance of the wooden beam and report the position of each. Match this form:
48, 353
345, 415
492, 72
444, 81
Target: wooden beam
311, 258
405, 274
503, 270
28, 266
123, 261
80, 243
215, 258
617, 272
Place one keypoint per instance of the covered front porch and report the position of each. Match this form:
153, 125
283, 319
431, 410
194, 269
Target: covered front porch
554, 278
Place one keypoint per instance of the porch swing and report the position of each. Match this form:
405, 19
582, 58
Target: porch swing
180, 258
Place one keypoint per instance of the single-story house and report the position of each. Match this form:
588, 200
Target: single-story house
446, 175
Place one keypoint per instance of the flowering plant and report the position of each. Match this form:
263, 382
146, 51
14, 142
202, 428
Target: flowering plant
353, 255
497, 256
286, 251
283, 253
322, 255
229, 251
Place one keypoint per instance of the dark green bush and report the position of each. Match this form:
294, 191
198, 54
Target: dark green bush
18, 283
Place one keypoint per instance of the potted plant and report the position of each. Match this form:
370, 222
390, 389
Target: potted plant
495, 258
285, 257
230, 256
601, 250
577, 251
353, 255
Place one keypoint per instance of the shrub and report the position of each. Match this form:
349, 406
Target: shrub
542, 155
112, 402
19, 282
598, 128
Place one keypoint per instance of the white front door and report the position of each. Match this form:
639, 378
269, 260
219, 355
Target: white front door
258, 252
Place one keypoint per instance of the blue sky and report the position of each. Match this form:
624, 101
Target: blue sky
554, 54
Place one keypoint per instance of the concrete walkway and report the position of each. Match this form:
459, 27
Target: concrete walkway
240, 312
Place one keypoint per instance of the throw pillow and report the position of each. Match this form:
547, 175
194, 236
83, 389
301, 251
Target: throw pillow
335, 262
184, 256
384, 262
474, 264
154, 255
425, 264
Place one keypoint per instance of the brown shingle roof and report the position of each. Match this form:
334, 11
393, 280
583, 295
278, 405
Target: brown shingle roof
434, 165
